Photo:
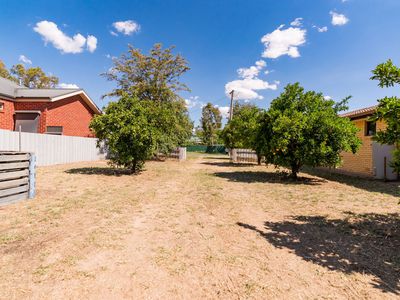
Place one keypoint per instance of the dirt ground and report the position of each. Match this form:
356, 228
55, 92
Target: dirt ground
200, 229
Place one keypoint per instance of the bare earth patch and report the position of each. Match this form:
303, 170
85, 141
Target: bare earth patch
200, 229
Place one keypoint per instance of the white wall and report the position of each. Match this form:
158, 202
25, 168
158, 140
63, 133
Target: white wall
51, 149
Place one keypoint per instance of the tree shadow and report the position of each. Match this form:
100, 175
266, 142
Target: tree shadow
229, 164
266, 177
359, 243
100, 171
371, 185
223, 157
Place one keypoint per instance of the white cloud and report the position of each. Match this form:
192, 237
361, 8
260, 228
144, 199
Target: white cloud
245, 89
126, 27
326, 97
253, 71
224, 110
52, 34
91, 43
338, 19
283, 42
22, 58
193, 102
248, 72
297, 22
261, 64
321, 29
68, 86
113, 33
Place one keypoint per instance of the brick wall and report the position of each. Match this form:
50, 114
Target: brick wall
39, 106
72, 113
7, 115
361, 163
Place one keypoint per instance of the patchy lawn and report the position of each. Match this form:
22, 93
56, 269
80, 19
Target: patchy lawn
200, 229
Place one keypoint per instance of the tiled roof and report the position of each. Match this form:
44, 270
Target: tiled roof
360, 112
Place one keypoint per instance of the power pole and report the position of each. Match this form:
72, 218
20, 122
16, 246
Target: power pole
231, 107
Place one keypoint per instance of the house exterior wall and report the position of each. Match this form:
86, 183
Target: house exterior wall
7, 115
361, 163
72, 113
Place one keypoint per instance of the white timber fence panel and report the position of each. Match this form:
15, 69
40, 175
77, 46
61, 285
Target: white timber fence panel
52, 149
243, 155
179, 154
17, 176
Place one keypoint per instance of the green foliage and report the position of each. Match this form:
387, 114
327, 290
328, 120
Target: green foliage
389, 110
148, 77
174, 127
126, 126
210, 124
302, 128
136, 130
387, 74
241, 131
147, 87
4, 73
34, 77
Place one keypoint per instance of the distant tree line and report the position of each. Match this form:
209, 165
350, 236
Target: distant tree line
33, 77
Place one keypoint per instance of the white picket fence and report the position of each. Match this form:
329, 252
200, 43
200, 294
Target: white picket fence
51, 149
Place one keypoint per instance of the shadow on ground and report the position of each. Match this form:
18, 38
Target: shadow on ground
366, 244
371, 185
228, 164
99, 171
270, 177
222, 157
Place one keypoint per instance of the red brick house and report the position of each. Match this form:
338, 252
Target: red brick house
51, 111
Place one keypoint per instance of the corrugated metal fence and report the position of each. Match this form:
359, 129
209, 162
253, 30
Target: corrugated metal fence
51, 149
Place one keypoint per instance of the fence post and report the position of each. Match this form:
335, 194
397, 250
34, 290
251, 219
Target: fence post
234, 155
182, 153
32, 182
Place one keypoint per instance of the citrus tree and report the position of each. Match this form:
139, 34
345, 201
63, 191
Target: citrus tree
302, 128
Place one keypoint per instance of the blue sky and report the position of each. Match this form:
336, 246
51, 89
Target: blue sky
217, 37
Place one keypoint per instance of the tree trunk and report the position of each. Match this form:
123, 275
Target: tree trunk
295, 169
259, 159
134, 166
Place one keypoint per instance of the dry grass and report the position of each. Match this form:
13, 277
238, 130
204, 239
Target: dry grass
200, 229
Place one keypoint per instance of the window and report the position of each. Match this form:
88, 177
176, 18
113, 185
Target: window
57, 130
1, 106
27, 121
370, 128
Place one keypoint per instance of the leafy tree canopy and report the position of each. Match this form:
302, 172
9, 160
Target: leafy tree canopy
388, 110
302, 128
126, 126
210, 124
240, 132
136, 130
155, 76
34, 77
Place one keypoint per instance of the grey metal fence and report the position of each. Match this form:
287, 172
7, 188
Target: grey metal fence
51, 149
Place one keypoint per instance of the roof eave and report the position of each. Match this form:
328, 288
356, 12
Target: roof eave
85, 96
